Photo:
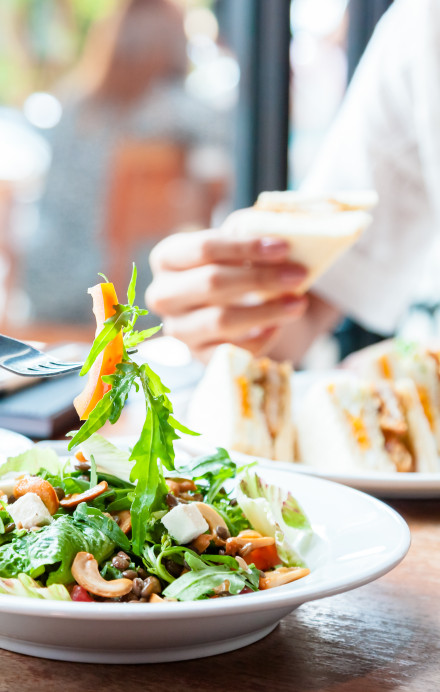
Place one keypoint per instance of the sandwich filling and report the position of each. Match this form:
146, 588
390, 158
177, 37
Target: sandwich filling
376, 416
423, 367
267, 388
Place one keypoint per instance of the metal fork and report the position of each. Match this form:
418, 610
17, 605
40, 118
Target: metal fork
22, 359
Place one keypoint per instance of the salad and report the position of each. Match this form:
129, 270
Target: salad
133, 526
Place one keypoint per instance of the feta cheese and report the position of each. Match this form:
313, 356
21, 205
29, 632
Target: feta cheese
29, 511
184, 523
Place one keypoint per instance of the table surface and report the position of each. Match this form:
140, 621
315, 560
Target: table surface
383, 636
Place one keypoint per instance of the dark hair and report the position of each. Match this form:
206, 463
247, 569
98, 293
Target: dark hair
144, 43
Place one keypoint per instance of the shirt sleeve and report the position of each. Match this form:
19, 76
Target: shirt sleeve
386, 137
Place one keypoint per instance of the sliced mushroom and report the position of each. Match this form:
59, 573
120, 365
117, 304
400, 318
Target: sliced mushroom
72, 501
124, 520
201, 543
282, 575
45, 491
180, 485
245, 544
250, 533
85, 571
214, 520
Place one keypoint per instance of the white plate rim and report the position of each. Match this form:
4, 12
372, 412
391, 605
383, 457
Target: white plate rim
400, 485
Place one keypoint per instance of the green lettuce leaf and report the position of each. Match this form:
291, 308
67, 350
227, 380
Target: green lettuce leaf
94, 518
29, 588
54, 547
274, 512
109, 458
33, 460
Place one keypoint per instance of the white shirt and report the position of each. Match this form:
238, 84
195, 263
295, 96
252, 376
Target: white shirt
387, 137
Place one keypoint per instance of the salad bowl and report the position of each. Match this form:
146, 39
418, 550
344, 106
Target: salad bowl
357, 540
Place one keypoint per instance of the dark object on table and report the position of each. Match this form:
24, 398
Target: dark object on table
43, 411
351, 337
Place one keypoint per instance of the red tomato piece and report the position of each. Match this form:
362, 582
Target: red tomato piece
78, 593
263, 558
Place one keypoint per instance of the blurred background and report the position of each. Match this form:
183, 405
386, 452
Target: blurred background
122, 122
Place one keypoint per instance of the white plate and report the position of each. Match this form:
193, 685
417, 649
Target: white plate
397, 485
390, 485
12, 443
359, 540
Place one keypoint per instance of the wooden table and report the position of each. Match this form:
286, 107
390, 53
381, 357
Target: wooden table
383, 636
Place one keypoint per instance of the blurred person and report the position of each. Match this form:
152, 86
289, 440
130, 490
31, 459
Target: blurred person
129, 85
386, 137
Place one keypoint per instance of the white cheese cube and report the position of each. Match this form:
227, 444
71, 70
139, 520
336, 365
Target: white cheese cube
184, 523
29, 511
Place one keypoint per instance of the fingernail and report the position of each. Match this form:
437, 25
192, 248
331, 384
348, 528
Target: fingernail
292, 275
291, 302
272, 247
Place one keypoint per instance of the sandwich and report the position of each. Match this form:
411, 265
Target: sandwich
394, 359
244, 403
348, 424
319, 228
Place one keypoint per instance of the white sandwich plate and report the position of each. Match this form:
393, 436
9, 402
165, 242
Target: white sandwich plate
11, 444
358, 540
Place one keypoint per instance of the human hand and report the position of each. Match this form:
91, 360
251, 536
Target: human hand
200, 285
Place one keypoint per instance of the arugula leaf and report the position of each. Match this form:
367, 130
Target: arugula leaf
112, 326
203, 579
131, 290
109, 408
134, 338
213, 469
154, 448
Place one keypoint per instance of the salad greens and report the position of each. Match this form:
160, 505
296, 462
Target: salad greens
116, 501
26, 586
32, 461
273, 512
52, 549
203, 578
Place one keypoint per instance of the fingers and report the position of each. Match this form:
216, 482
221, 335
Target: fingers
186, 250
172, 293
232, 323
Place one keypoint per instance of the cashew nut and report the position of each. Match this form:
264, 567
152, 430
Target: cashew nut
45, 491
154, 598
71, 501
282, 575
85, 571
